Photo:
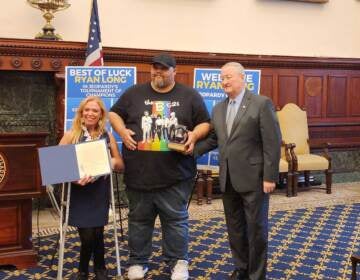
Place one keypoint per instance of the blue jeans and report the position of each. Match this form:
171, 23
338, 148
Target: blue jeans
171, 206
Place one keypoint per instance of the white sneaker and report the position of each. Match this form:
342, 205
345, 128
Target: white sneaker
137, 272
180, 270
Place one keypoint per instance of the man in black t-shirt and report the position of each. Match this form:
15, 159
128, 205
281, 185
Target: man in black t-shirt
159, 181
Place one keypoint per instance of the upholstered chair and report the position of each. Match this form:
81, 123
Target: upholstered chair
286, 167
294, 129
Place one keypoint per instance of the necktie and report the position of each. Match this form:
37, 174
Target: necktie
230, 116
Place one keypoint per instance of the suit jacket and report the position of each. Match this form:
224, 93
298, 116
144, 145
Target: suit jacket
251, 152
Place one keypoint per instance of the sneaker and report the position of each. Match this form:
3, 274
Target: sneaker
137, 272
180, 270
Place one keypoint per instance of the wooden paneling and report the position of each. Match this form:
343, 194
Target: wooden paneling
184, 78
288, 89
266, 86
15, 234
335, 133
336, 101
142, 77
328, 88
9, 215
313, 88
354, 97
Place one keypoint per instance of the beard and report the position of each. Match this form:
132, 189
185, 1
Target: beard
160, 82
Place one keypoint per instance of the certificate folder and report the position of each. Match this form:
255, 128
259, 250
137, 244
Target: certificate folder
67, 163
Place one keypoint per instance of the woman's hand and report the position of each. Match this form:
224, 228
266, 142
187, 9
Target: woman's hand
85, 180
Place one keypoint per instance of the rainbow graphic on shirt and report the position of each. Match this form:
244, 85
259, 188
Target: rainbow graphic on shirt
155, 127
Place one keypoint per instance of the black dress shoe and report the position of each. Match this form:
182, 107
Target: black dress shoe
101, 274
81, 276
238, 275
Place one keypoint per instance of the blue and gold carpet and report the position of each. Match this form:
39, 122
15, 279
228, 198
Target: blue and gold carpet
312, 243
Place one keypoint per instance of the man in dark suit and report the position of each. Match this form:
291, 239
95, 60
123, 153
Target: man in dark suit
246, 131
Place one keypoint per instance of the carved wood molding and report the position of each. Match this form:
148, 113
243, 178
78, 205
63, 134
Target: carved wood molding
335, 124
313, 1
73, 53
41, 48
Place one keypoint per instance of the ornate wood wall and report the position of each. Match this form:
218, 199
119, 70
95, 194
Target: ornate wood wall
328, 88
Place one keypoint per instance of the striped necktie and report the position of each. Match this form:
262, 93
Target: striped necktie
230, 116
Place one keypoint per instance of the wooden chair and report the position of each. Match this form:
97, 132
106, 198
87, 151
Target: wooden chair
203, 185
354, 261
294, 129
286, 167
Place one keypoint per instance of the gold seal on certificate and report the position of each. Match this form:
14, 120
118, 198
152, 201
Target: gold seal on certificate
178, 137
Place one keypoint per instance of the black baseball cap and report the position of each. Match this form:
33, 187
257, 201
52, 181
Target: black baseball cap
165, 60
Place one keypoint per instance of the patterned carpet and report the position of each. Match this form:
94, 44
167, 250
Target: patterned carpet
310, 243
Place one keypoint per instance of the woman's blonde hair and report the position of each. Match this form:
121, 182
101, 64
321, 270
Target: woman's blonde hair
77, 124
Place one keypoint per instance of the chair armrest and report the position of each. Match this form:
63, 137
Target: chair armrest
289, 153
324, 146
316, 144
325, 153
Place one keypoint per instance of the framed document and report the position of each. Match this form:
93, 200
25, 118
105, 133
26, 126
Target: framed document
67, 163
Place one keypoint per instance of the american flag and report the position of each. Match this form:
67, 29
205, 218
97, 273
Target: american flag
94, 54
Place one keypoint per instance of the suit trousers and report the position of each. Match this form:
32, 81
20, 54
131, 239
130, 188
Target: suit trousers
246, 215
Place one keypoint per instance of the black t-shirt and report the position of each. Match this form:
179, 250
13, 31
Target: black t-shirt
153, 117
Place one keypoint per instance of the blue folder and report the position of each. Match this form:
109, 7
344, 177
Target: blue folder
59, 164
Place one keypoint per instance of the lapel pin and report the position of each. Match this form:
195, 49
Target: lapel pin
244, 106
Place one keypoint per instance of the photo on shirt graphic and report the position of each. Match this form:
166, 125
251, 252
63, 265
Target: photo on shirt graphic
158, 126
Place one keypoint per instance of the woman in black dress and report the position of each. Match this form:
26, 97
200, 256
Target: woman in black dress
90, 197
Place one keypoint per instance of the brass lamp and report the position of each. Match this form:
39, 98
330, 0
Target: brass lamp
49, 7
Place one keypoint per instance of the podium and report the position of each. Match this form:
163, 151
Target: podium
19, 183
